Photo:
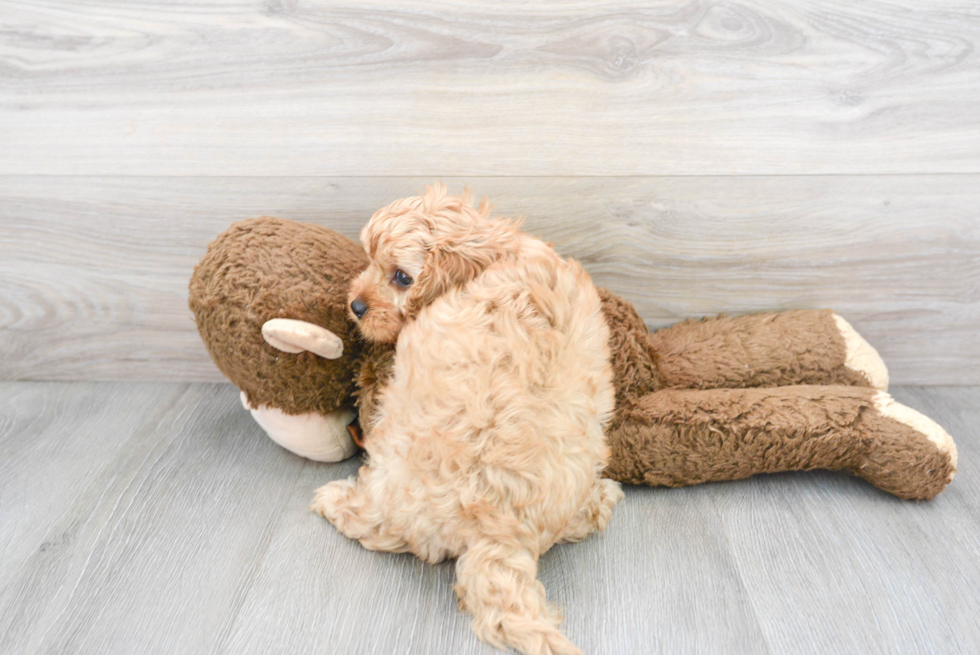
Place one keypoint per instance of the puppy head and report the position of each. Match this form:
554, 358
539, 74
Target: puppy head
420, 248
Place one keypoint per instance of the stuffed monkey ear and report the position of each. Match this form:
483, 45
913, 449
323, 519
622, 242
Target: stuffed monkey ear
292, 336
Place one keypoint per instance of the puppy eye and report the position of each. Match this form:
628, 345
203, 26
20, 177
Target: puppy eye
402, 278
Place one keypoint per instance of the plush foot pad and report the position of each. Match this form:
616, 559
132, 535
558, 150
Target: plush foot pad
320, 437
885, 404
861, 357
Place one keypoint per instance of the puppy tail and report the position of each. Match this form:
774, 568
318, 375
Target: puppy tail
497, 583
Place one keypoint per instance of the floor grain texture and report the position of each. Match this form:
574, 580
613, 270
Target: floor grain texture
156, 517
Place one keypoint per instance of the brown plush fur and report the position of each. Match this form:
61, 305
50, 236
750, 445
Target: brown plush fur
659, 435
266, 268
766, 350
759, 350
678, 437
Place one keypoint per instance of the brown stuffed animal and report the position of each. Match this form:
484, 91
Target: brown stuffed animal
718, 399
270, 298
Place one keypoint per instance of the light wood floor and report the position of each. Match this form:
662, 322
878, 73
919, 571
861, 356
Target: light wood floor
155, 518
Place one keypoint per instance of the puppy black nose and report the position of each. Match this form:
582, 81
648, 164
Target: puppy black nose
359, 307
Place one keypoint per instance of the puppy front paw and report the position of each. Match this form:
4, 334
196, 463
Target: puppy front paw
333, 501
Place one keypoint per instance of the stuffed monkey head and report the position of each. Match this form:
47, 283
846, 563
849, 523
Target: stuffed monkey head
270, 300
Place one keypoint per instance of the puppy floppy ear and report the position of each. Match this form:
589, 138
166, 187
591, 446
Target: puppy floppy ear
448, 266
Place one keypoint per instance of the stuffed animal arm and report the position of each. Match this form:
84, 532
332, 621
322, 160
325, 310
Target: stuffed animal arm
766, 350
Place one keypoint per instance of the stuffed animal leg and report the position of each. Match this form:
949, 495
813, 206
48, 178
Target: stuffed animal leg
766, 350
722, 399
677, 437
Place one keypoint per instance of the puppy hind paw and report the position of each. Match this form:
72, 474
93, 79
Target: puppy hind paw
596, 512
608, 493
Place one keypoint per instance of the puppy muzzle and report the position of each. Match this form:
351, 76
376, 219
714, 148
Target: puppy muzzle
358, 307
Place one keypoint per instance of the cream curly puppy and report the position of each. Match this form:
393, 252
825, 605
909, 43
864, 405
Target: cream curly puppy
489, 440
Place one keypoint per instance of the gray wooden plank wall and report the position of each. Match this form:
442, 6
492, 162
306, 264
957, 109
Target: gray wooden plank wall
96, 269
607, 87
699, 156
